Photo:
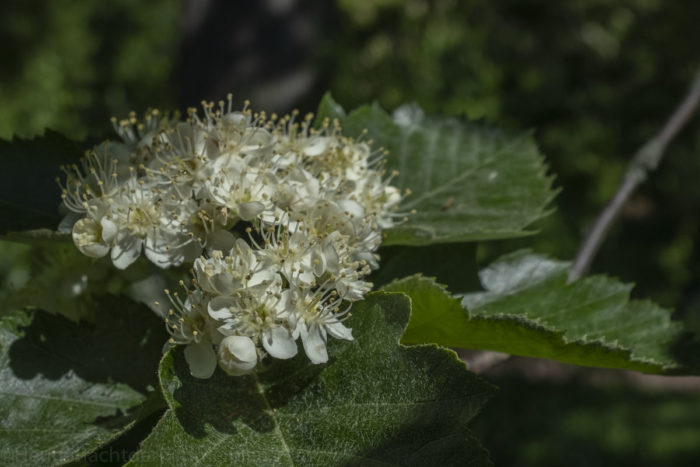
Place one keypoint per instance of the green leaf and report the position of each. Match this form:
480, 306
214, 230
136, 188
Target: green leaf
29, 194
374, 403
469, 182
328, 108
529, 309
67, 388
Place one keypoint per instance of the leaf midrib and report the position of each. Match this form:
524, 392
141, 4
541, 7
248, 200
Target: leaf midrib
268, 408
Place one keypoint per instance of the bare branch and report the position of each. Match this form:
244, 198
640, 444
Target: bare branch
644, 161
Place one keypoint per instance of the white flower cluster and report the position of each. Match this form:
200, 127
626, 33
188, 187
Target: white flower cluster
280, 220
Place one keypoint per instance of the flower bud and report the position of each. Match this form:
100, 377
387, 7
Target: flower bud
237, 355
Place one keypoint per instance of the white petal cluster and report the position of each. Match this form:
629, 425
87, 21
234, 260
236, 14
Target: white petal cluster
280, 220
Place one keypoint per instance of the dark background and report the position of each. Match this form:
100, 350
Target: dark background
594, 78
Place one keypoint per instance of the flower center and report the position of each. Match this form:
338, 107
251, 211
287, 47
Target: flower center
141, 219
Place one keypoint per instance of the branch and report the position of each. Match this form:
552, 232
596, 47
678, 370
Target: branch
644, 161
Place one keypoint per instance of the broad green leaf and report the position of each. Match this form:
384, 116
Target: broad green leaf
67, 388
529, 309
29, 194
468, 182
374, 403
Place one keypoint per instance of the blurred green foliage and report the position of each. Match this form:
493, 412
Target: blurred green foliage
575, 424
70, 65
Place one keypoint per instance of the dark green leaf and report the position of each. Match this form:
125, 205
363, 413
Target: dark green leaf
67, 388
374, 403
529, 309
469, 182
29, 194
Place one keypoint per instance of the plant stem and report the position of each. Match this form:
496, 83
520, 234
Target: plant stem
645, 160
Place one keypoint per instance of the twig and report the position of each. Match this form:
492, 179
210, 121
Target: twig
644, 161
479, 361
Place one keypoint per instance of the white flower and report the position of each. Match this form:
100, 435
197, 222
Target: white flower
344, 216
224, 275
315, 315
289, 254
325, 257
137, 133
188, 323
98, 177
288, 217
237, 355
245, 191
139, 219
376, 196
87, 236
257, 312
297, 191
182, 157
313, 337
279, 342
365, 248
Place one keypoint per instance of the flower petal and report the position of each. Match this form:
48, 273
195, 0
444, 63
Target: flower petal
332, 259
150, 292
318, 261
126, 250
314, 344
109, 229
249, 211
316, 146
279, 343
86, 236
201, 359
67, 223
221, 240
352, 208
220, 307
224, 284
157, 251
339, 331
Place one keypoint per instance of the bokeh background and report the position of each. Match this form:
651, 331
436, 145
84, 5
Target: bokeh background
594, 79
